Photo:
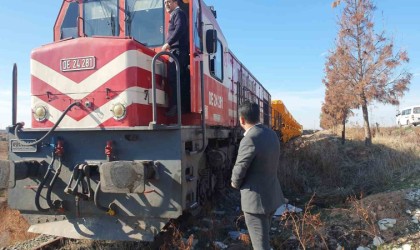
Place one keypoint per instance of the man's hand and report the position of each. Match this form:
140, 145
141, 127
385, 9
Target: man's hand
233, 185
166, 47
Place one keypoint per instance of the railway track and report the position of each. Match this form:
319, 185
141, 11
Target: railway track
40, 242
47, 242
53, 243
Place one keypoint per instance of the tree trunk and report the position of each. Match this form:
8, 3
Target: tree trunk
343, 131
368, 135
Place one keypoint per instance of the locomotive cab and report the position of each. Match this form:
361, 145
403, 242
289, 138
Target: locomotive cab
118, 38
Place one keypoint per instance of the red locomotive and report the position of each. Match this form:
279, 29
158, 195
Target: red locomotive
102, 160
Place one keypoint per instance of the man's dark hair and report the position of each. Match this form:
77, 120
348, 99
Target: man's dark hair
250, 111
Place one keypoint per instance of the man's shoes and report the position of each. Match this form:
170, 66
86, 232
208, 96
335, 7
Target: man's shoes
172, 111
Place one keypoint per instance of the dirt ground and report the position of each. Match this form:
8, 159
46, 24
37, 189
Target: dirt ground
360, 219
13, 228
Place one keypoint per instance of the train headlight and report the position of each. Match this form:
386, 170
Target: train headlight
119, 111
40, 113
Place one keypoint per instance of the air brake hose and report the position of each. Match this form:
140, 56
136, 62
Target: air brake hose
96, 198
111, 209
41, 186
20, 125
54, 179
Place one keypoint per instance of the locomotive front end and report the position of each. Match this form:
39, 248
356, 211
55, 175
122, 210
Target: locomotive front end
91, 166
109, 78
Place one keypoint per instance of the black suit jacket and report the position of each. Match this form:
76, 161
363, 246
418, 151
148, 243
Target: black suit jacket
178, 30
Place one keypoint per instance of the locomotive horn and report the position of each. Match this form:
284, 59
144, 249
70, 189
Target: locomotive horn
14, 95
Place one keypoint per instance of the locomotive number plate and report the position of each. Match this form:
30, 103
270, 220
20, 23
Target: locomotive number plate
16, 146
77, 63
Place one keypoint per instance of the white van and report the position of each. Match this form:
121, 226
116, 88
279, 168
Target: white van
409, 116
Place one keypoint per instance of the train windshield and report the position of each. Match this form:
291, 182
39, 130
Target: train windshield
69, 26
101, 18
145, 20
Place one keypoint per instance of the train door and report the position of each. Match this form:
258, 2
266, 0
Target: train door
191, 88
196, 48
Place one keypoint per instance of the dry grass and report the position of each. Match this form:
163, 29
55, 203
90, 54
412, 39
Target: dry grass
365, 216
306, 227
320, 164
350, 226
176, 241
323, 165
3, 150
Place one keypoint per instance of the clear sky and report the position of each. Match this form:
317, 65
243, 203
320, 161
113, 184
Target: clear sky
284, 44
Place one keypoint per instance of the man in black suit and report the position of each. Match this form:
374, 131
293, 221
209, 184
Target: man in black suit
255, 174
177, 44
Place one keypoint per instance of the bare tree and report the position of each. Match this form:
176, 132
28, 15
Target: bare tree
338, 102
366, 61
339, 98
326, 121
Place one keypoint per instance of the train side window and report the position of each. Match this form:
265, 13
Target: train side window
216, 62
69, 26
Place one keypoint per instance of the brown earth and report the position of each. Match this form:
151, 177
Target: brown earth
359, 219
13, 228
